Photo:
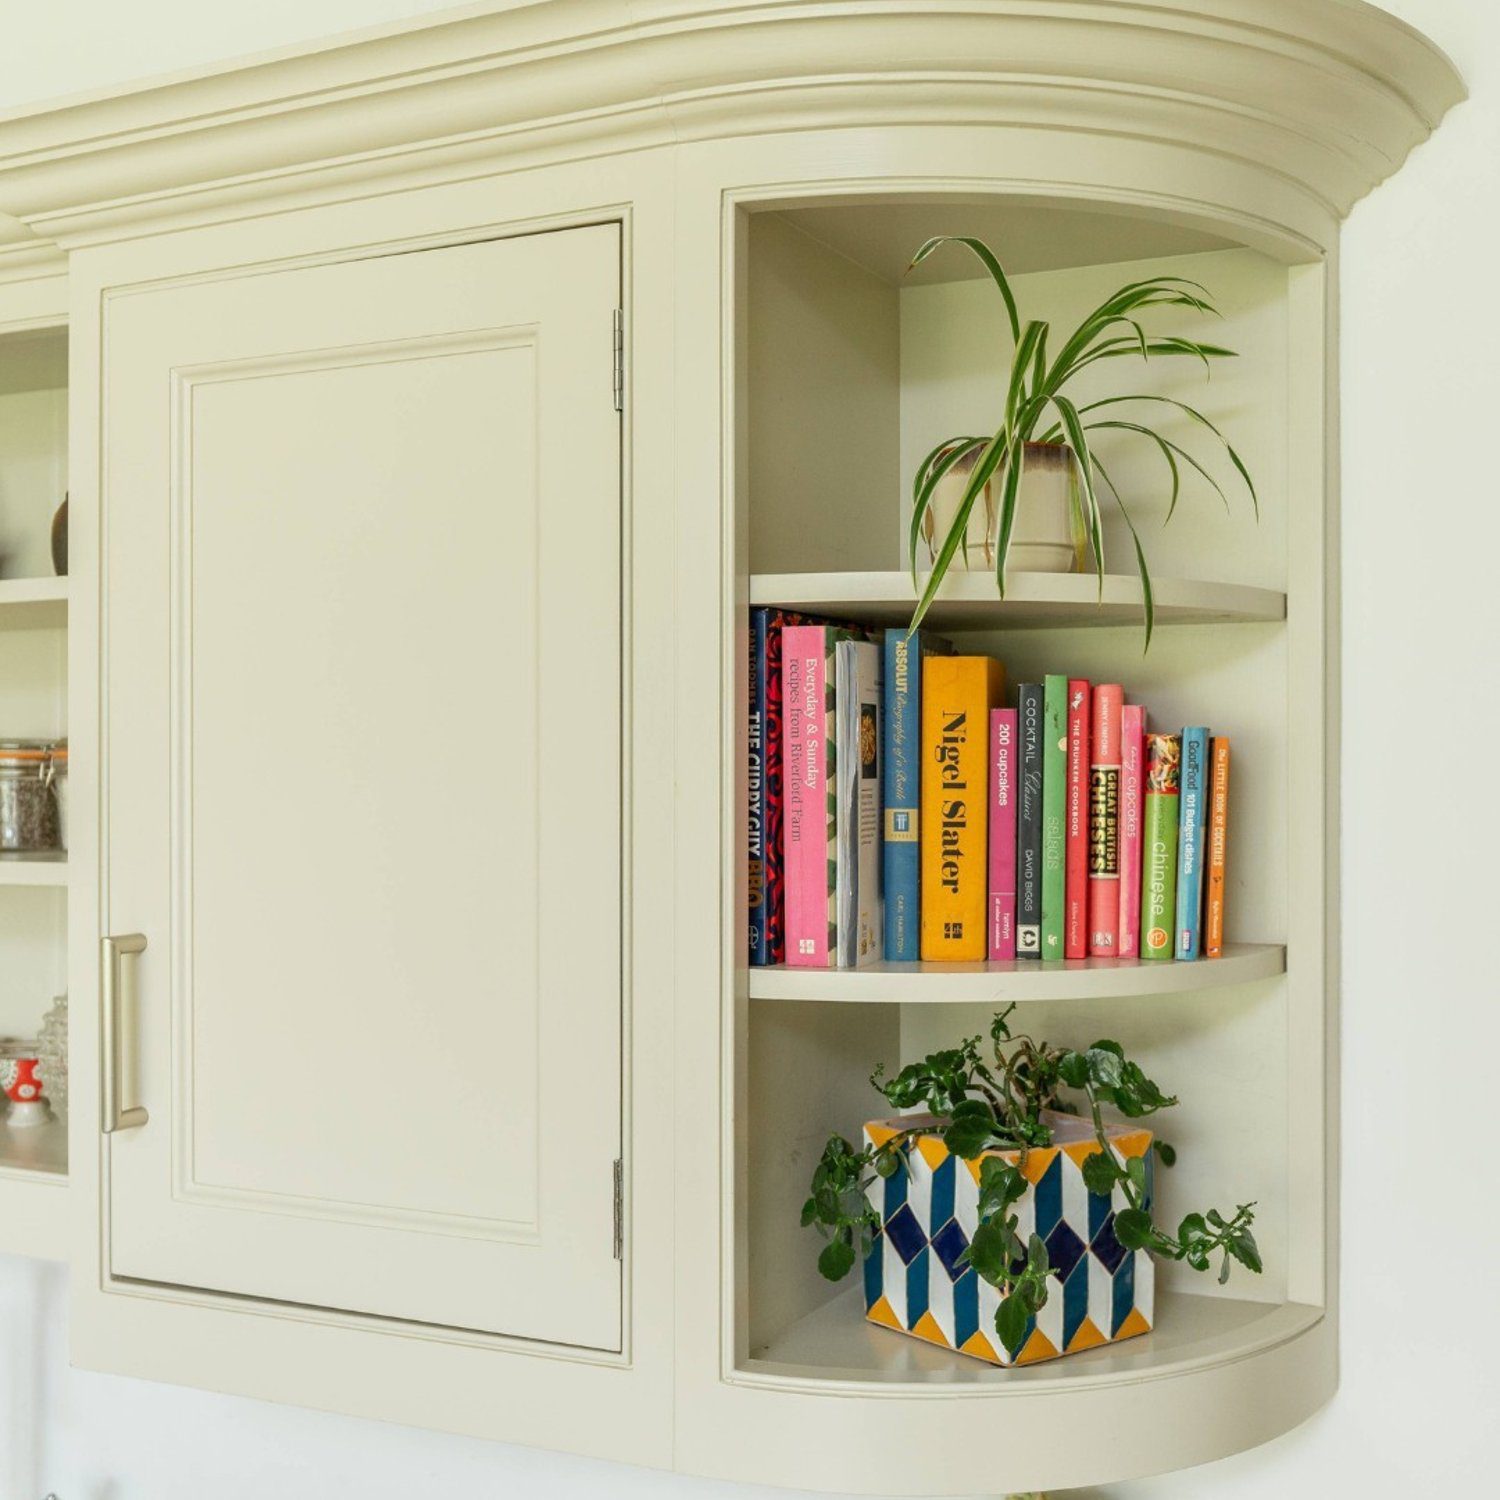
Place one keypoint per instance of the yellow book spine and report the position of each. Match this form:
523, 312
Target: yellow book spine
957, 695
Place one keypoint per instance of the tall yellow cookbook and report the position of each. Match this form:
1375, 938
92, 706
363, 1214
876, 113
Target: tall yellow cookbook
958, 693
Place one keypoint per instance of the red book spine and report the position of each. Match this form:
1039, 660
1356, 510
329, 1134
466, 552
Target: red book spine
1218, 848
804, 673
1076, 866
1132, 807
1104, 822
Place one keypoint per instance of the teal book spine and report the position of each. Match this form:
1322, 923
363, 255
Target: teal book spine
1192, 841
1054, 814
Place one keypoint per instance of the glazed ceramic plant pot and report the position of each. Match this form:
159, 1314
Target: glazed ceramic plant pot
942, 511
1098, 1292
1047, 535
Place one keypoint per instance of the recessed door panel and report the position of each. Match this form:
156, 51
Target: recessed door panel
363, 782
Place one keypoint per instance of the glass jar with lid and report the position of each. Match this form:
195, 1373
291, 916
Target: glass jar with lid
59, 773
28, 809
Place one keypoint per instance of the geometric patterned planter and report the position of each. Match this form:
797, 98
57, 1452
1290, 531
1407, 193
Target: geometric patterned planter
1098, 1292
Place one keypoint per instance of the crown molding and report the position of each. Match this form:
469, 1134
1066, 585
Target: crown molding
1329, 97
25, 257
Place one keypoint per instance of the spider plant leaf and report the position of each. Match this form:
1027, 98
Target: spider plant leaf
1205, 352
1148, 599
1179, 281
1020, 367
984, 467
1165, 449
1197, 416
1079, 442
928, 462
987, 258
1135, 296
1165, 444
1039, 364
947, 453
1115, 348
1168, 283
1009, 496
1244, 474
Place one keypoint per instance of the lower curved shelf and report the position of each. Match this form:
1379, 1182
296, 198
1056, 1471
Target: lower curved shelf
837, 1345
835, 1404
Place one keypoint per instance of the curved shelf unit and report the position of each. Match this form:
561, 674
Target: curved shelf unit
764, 155
968, 601
1002, 983
837, 1345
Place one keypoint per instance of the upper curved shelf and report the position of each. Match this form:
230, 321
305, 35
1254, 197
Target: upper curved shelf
968, 601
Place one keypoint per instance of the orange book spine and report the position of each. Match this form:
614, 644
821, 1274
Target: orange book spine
958, 693
1218, 844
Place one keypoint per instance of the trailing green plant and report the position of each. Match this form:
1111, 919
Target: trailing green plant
1000, 1105
1037, 411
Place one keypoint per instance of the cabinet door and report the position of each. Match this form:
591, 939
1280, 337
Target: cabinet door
363, 768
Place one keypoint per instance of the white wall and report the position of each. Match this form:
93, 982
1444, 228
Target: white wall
50, 48
1421, 530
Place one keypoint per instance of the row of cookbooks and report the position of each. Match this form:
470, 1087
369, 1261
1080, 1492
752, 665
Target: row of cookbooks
899, 809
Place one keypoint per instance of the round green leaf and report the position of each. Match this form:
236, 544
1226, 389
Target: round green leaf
837, 1259
1133, 1228
1010, 1321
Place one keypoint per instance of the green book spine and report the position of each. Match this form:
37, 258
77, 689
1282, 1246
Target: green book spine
1159, 818
1054, 814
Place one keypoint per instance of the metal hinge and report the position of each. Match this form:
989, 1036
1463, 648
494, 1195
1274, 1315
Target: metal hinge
619, 359
619, 1209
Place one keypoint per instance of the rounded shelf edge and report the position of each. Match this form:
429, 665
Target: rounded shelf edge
1019, 981
968, 601
1219, 1375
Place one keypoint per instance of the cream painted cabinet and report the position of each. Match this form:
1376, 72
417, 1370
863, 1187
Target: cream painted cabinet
409, 725
361, 784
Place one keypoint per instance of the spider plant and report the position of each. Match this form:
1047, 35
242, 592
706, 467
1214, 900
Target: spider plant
1037, 411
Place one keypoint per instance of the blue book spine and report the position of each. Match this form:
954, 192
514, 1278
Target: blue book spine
1192, 841
760, 892
901, 849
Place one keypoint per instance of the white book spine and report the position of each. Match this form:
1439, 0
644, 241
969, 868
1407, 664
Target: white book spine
861, 931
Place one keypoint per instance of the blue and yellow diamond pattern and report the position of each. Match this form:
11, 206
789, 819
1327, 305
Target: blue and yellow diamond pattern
915, 1283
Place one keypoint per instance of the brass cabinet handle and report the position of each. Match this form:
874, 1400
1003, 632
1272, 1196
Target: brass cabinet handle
113, 1115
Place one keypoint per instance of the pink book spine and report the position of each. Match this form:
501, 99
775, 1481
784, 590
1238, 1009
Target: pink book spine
1104, 822
1076, 847
1002, 922
1132, 802
804, 764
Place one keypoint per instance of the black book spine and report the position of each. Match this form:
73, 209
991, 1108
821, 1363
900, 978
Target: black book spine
1029, 823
